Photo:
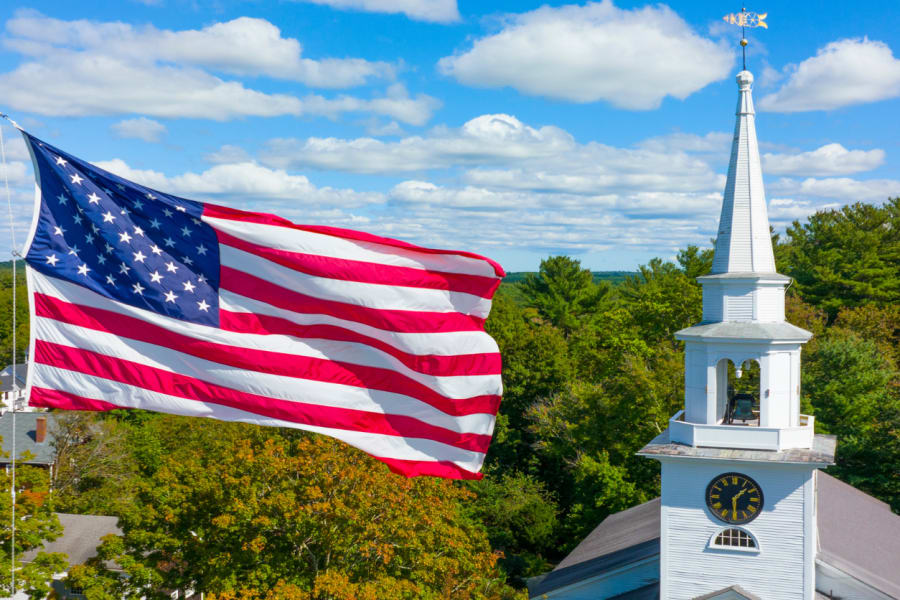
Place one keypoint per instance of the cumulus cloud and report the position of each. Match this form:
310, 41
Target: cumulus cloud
434, 11
714, 142
243, 46
630, 58
830, 159
845, 189
141, 129
246, 181
484, 139
843, 73
102, 85
116, 68
14, 145
16, 172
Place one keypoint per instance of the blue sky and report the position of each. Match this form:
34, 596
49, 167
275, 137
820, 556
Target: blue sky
514, 129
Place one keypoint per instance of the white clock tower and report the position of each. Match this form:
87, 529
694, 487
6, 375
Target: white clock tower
738, 509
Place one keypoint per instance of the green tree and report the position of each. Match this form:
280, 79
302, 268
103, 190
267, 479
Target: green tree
520, 518
96, 471
563, 293
235, 508
36, 523
854, 391
847, 257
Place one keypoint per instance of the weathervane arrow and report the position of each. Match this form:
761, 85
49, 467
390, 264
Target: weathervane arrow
747, 19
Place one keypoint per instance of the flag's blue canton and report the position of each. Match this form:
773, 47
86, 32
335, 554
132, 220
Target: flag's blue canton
125, 241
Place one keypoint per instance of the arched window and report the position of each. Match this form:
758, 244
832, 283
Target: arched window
734, 538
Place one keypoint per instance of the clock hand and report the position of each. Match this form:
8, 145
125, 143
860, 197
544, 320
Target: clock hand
734, 500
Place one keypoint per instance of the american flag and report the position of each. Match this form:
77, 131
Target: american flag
141, 299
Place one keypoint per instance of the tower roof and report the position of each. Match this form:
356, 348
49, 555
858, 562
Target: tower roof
743, 244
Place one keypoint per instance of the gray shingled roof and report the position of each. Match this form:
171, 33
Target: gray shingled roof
821, 453
80, 538
648, 592
748, 331
858, 535
6, 379
745, 275
621, 539
731, 588
25, 437
619, 531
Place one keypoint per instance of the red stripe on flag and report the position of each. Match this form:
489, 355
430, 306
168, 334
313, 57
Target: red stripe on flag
415, 468
366, 272
403, 321
233, 214
488, 363
49, 398
276, 363
410, 468
182, 386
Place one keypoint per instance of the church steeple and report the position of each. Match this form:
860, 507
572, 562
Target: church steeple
743, 243
743, 321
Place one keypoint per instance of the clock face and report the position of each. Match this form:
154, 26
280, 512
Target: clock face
734, 498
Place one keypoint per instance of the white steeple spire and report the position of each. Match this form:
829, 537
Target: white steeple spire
743, 244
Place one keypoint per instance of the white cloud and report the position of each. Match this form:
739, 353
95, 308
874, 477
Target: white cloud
714, 142
14, 145
434, 11
16, 172
843, 73
141, 128
485, 139
830, 159
245, 182
115, 68
243, 46
396, 104
630, 58
784, 211
103, 85
228, 154
843, 189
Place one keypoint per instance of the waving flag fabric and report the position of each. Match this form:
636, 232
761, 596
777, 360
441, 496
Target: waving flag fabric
145, 300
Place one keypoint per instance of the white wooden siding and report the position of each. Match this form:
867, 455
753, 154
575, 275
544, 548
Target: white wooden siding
690, 568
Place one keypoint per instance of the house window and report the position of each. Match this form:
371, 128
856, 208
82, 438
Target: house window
734, 538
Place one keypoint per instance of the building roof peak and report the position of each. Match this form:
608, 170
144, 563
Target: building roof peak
743, 243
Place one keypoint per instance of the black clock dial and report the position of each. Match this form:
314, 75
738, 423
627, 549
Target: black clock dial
734, 498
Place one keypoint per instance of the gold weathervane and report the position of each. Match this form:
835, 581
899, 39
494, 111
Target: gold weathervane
746, 19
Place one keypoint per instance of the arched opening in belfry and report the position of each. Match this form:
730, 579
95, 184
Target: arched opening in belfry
738, 393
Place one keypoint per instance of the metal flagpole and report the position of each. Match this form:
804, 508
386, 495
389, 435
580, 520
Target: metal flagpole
15, 385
